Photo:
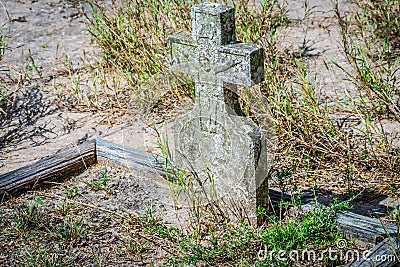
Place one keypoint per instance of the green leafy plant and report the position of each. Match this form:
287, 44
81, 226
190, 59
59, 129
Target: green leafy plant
3, 43
101, 183
31, 65
72, 192
28, 218
65, 207
341, 205
71, 229
36, 201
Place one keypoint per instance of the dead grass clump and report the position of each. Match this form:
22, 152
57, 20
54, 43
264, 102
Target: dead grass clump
133, 34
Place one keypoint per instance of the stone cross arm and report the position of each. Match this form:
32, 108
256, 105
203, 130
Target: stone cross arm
237, 63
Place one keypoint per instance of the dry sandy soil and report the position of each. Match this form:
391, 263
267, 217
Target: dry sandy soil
37, 123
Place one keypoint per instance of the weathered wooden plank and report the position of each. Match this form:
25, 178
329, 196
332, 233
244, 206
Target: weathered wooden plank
60, 165
365, 229
130, 157
384, 254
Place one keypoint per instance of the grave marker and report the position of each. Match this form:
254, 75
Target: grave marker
215, 138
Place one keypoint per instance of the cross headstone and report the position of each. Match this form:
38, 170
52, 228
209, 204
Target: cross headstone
215, 138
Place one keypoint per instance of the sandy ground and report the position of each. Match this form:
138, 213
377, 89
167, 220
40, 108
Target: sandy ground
49, 31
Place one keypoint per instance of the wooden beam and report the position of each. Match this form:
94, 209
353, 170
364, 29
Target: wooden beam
60, 165
133, 158
384, 254
363, 228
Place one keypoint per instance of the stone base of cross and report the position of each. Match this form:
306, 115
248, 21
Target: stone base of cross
225, 149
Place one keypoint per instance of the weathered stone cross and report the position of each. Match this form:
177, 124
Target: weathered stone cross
215, 138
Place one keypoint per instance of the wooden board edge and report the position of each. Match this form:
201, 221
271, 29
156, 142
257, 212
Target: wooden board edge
61, 165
